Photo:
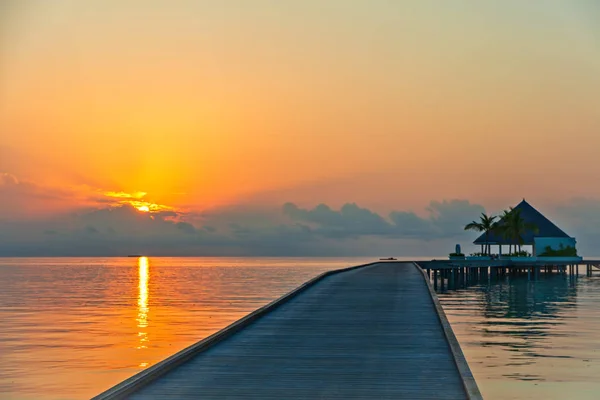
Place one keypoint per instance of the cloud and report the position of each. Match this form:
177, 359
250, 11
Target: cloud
7, 179
23, 199
412, 225
136, 199
105, 229
445, 220
289, 230
20, 198
350, 221
449, 217
580, 217
186, 227
126, 196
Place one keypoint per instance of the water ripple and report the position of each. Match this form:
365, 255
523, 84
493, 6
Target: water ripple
543, 334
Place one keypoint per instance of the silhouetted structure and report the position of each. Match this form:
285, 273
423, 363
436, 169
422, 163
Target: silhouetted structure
547, 234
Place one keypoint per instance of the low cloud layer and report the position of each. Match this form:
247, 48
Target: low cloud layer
112, 225
351, 221
580, 217
289, 230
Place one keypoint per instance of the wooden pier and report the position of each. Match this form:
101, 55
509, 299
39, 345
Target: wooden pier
454, 274
373, 331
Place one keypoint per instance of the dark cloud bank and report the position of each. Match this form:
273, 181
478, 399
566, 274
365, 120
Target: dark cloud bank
287, 231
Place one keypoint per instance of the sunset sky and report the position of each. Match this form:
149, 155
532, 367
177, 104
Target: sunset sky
213, 115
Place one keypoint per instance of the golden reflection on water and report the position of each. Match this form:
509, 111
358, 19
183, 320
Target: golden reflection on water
142, 316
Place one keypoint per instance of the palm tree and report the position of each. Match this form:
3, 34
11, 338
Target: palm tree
521, 227
512, 226
503, 227
486, 224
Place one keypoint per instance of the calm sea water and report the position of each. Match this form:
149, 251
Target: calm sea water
70, 328
531, 339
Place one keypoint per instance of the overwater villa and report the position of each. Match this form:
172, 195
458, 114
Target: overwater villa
548, 242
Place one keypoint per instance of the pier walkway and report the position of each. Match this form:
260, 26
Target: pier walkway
371, 332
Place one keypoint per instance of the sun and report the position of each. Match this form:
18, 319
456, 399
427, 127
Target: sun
144, 208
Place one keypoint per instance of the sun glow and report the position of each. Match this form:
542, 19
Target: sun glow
123, 195
136, 200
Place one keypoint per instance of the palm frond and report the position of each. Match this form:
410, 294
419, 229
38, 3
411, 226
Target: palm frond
474, 226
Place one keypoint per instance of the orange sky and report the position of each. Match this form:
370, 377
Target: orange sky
202, 104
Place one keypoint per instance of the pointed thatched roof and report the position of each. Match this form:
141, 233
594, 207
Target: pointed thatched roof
529, 214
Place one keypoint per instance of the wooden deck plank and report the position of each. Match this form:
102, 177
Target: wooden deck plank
372, 332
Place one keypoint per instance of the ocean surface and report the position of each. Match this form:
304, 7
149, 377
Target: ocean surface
72, 327
530, 339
